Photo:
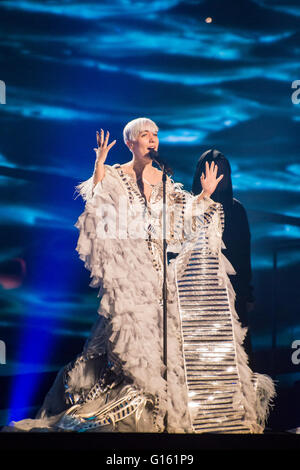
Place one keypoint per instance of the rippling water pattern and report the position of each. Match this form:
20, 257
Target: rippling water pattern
212, 73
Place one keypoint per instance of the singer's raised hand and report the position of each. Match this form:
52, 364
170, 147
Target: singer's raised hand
210, 181
101, 154
103, 149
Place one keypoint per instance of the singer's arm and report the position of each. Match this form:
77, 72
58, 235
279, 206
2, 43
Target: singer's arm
99, 172
203, 194
101, 154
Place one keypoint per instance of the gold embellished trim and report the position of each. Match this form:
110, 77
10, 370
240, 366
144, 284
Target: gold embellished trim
132, 401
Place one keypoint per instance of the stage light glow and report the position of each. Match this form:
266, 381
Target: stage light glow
40, 326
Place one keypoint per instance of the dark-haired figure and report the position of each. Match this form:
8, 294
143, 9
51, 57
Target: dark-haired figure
236, 237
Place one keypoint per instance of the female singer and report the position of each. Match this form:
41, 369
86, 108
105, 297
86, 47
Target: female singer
118, 382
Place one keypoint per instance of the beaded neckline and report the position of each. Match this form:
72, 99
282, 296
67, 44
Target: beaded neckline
132, 181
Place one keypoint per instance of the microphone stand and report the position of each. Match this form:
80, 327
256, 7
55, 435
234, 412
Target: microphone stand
155, 157
165, 169
165, 292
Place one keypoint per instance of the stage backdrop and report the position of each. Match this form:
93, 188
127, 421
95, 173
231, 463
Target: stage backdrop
222, 74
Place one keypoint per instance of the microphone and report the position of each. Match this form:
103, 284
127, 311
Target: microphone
154, 155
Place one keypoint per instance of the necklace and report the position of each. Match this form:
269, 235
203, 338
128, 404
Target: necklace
140, 179
145, 181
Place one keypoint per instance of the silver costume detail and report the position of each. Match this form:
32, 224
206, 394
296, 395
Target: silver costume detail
129, 402
208, 343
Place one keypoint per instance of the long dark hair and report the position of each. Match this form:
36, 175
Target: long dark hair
223, 192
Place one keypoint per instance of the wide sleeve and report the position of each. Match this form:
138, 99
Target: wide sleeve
191, 215
92, 221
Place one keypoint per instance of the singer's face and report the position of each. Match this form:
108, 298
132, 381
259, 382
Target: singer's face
144, 142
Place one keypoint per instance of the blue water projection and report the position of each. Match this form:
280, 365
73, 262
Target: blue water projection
73, 67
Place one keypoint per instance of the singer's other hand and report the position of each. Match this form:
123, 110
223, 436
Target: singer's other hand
209, 181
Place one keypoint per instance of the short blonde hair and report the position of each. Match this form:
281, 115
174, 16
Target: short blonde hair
134, 127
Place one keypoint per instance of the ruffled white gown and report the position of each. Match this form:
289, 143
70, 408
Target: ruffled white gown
117, 382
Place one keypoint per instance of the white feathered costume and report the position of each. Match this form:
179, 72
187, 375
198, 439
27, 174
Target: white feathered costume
117, 383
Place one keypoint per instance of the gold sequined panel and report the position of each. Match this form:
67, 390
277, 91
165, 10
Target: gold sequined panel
208, 344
